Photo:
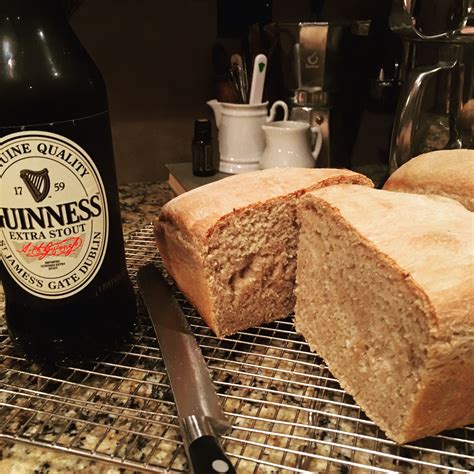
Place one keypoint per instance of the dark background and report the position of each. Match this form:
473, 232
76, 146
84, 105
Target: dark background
156, 58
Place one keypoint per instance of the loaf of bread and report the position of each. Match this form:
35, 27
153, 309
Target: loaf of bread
385, 294
447, 173
230, 245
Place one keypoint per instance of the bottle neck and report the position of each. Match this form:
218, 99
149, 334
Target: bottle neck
45, 73
22, 16
28, 8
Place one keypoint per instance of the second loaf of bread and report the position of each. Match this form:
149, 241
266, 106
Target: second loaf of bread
448, 173
231, 245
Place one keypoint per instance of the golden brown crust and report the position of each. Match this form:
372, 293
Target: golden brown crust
185, 265
198, 211
448, 173
445, 398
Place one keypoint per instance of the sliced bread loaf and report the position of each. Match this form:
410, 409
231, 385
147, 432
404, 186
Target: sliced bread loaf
385, 294
230, 246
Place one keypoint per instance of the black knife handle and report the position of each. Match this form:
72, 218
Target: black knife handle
207, 457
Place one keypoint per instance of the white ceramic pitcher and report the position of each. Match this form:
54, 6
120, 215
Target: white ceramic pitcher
288, 145
241, 138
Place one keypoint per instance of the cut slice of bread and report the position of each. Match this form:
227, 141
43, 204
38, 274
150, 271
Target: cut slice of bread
385, 294
230, 246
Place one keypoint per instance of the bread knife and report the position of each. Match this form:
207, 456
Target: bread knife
201, 418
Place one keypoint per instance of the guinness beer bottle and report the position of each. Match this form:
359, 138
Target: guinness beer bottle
68, 293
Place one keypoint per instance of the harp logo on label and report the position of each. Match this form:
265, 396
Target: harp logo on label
37, 182
53, 214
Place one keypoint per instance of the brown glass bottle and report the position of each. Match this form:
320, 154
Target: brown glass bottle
68, 293
202, 149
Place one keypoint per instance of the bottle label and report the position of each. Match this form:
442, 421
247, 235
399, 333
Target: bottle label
53, 214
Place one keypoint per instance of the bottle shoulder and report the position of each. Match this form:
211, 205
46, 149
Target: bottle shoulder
46, 75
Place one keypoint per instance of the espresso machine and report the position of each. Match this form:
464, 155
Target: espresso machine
317, 86
338, 66
436, 104
312, 96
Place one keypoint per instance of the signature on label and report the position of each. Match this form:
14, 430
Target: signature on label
63, 248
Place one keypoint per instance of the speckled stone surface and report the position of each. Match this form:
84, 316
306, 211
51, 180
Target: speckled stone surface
140, 203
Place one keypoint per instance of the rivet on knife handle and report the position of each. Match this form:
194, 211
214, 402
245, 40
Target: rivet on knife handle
207, 457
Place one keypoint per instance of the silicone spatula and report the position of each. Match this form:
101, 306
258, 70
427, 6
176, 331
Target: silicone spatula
258, 79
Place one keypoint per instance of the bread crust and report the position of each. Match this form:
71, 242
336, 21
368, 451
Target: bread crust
429, 242
198, 211
186, 266
186, 224
448, 173
445, 399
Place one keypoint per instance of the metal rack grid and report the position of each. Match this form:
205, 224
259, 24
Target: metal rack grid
287, 411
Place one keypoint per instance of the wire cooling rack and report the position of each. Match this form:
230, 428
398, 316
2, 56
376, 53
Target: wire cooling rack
288, 413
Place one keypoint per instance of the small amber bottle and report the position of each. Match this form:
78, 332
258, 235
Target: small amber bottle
203, 164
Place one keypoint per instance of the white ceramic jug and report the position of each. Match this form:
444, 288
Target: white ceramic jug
288, 145
241, 138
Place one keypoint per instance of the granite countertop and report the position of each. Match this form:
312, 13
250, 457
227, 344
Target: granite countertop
140, 203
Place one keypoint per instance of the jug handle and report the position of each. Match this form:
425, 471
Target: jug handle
316, 129
278, 103
408, 109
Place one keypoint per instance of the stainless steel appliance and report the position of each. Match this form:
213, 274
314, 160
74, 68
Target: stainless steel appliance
339, 67
310, 101
436, 104
317, 84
